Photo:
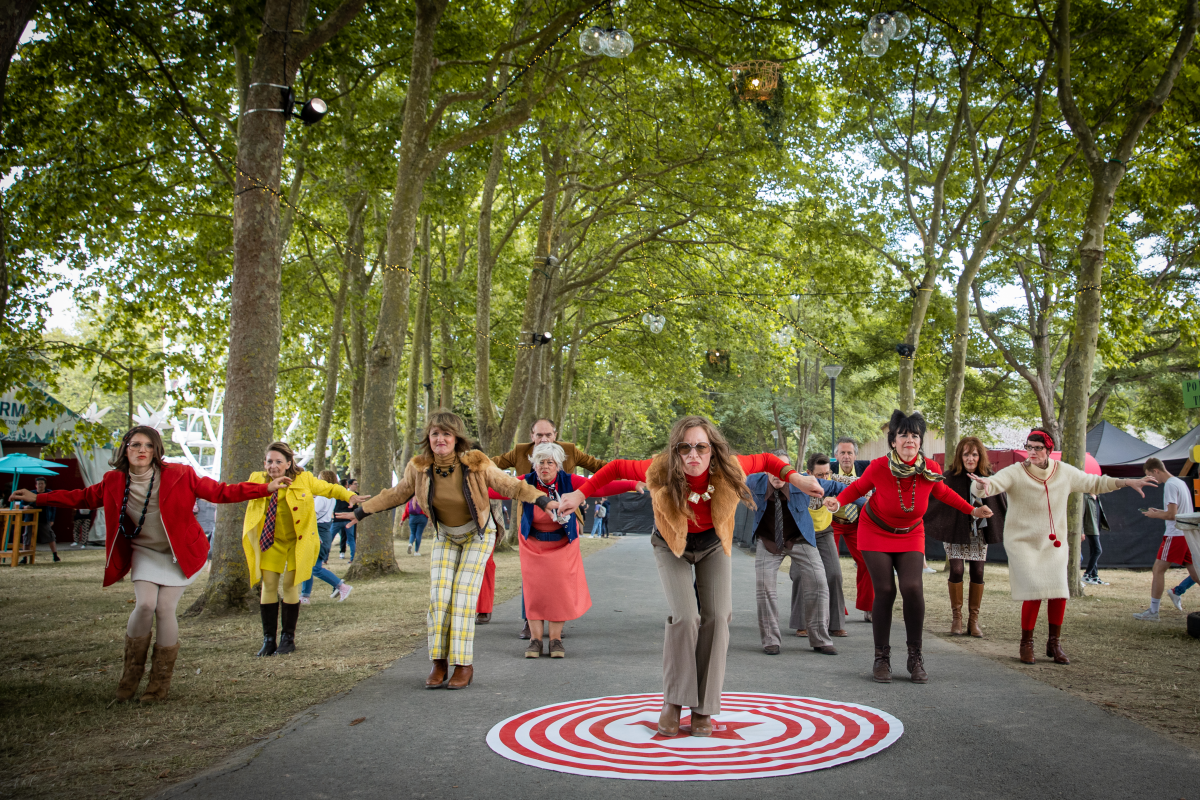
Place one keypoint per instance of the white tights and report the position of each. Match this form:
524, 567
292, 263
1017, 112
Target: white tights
154, 601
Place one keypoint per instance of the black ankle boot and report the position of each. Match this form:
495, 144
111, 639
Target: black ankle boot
270, 621
287, 638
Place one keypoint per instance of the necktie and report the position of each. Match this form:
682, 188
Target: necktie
779, 521
268, 535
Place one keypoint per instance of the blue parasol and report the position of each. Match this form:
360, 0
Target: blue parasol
20, 464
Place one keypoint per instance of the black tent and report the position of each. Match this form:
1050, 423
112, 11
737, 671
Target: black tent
1109, 444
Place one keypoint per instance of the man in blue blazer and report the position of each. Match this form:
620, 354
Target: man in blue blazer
783, 527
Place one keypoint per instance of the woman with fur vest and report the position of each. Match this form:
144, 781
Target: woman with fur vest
152, 535
450, 482
695, 486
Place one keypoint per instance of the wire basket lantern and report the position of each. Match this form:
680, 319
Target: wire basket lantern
755, 80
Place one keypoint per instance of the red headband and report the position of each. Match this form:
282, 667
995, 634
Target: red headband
1045, 437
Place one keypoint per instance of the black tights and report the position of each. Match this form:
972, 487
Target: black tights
908, 568
956, 571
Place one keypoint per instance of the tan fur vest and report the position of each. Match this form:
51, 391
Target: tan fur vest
672, 521
480, 475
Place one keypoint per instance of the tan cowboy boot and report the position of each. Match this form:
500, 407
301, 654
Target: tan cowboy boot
956, 622
974, 600
162, 667
135, 666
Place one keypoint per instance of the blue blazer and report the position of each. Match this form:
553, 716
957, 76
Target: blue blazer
797, 503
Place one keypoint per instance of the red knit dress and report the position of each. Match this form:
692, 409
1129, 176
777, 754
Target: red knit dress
702, 509
890, 492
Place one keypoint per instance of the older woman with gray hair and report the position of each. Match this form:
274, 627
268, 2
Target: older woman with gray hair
552, 573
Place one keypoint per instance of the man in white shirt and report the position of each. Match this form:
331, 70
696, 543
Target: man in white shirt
1177, 499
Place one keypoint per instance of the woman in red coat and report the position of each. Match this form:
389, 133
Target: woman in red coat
152, 533
891, 535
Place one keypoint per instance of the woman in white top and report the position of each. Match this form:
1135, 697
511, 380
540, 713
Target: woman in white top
324, 507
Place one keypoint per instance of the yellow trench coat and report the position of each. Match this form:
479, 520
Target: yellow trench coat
299, 499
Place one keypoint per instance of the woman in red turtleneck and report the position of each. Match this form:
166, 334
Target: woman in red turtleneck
695, 486
892, 537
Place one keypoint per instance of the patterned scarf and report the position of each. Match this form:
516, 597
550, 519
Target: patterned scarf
902, 470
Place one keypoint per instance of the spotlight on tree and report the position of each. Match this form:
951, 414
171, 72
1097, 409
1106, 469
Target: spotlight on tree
541, 338
313, 110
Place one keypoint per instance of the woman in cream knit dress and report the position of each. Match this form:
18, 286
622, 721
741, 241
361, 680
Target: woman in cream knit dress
1035, 532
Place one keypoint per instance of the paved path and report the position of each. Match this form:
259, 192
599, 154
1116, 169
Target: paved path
977, 729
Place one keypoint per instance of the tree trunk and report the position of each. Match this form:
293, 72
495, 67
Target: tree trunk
541, 276
907, 395
1081, 355
413, 398
485, 415
355, 206
1106, 171
14, 16
254, 313
376, 554
358, 355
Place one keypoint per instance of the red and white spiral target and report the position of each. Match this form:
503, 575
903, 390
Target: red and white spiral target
754, 736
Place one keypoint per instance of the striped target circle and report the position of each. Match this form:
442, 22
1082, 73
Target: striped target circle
754, 736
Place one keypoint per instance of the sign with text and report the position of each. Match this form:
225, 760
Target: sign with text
1191, 394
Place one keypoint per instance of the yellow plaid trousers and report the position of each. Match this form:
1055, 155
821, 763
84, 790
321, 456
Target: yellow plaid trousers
455, 577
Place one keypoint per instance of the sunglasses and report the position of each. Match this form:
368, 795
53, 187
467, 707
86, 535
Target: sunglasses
1035, 448
702, 448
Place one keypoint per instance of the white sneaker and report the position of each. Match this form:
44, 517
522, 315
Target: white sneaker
341, 555
344, 590
1175, 599
1147, 616
334, 593
929, 570
304, 600
410, 548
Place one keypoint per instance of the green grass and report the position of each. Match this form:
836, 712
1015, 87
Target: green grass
63, 736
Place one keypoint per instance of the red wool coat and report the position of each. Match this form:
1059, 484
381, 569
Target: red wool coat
177, 493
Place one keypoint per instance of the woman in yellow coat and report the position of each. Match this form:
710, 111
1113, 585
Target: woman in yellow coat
279, 537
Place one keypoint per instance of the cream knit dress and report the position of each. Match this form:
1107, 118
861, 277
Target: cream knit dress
1037, 521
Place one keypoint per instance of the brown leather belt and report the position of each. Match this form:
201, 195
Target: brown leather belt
888, 528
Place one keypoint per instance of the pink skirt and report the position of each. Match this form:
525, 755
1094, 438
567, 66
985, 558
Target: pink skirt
553, 580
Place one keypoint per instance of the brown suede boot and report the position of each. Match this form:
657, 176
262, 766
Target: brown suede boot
1027, 647
1053, 648
956, 622
974, 600
882, 670
135, 666
162, 667
437, 675
916, 666
668, 720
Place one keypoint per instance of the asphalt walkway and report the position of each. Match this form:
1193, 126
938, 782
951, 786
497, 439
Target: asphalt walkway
977, 729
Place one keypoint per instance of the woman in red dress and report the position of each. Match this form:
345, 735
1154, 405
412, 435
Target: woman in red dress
553, 581
695, 486
891, 535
